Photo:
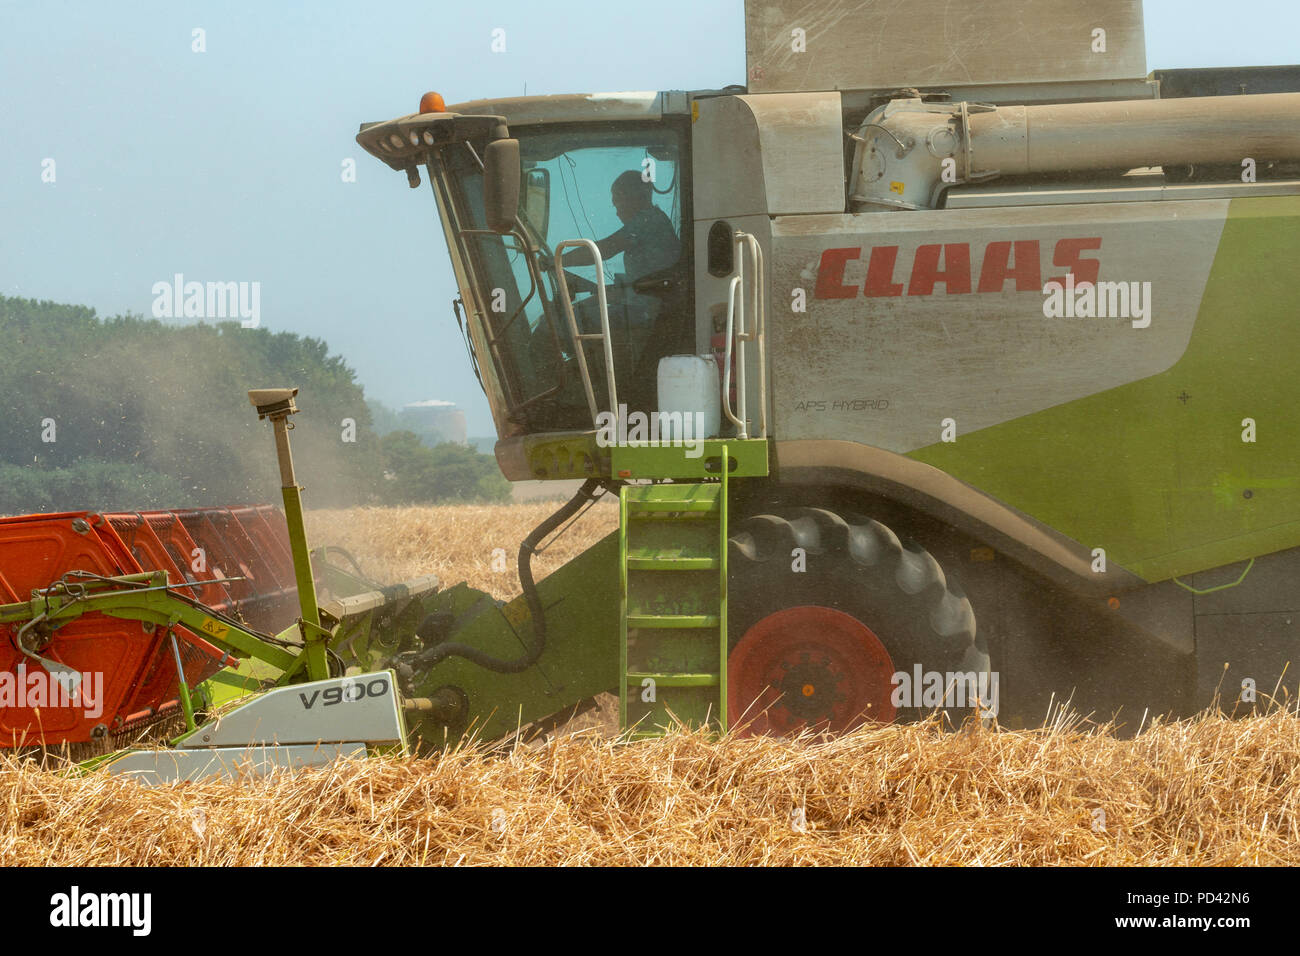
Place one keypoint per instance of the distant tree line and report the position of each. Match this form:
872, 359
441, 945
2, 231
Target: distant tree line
128, 413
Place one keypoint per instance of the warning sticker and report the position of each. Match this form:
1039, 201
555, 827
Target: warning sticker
213, 628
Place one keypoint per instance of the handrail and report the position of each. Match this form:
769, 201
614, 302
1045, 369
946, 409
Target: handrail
748, 246
579, 337
733, 290
760, 326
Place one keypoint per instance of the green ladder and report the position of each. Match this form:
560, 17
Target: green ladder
673, 611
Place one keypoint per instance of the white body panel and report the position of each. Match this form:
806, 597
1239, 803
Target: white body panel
984, 357
153, 767
296, 726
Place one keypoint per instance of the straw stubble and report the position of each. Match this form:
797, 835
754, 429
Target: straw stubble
1208, 791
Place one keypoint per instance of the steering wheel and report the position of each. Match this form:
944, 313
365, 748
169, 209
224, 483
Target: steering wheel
577, 284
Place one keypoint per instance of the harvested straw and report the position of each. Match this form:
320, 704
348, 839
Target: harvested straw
1205, 791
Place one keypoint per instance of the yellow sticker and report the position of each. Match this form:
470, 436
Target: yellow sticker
896, 188
213, 627
695, 110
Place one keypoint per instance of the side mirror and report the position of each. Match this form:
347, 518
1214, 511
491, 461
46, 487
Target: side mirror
501, 184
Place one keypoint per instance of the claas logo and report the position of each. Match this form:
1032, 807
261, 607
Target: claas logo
1004, 265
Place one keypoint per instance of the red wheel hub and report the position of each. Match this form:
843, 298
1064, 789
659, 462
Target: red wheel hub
808, 667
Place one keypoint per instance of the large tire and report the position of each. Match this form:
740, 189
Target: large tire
819, 648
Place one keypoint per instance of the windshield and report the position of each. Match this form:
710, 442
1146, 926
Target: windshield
620, 186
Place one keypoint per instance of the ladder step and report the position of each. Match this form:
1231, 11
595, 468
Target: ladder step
674, 680
687, 497
679, 491
686, 508
661, 563
673, 620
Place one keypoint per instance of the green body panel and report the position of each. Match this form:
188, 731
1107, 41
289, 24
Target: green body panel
671, 461
565, 455
1160, 476
234, 683
580, 659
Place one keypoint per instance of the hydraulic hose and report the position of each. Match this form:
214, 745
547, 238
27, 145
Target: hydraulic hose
537, 644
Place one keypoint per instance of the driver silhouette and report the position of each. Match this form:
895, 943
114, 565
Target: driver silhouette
646, 240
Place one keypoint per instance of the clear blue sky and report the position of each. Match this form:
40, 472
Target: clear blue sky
225, 165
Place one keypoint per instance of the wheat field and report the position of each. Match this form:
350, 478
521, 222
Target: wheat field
1204, 791
456, 542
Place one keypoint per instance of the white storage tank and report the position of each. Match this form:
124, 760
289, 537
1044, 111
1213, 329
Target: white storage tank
689, 385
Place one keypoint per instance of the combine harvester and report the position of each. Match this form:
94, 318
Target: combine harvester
956, 292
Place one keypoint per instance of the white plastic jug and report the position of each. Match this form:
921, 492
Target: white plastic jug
689, 386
